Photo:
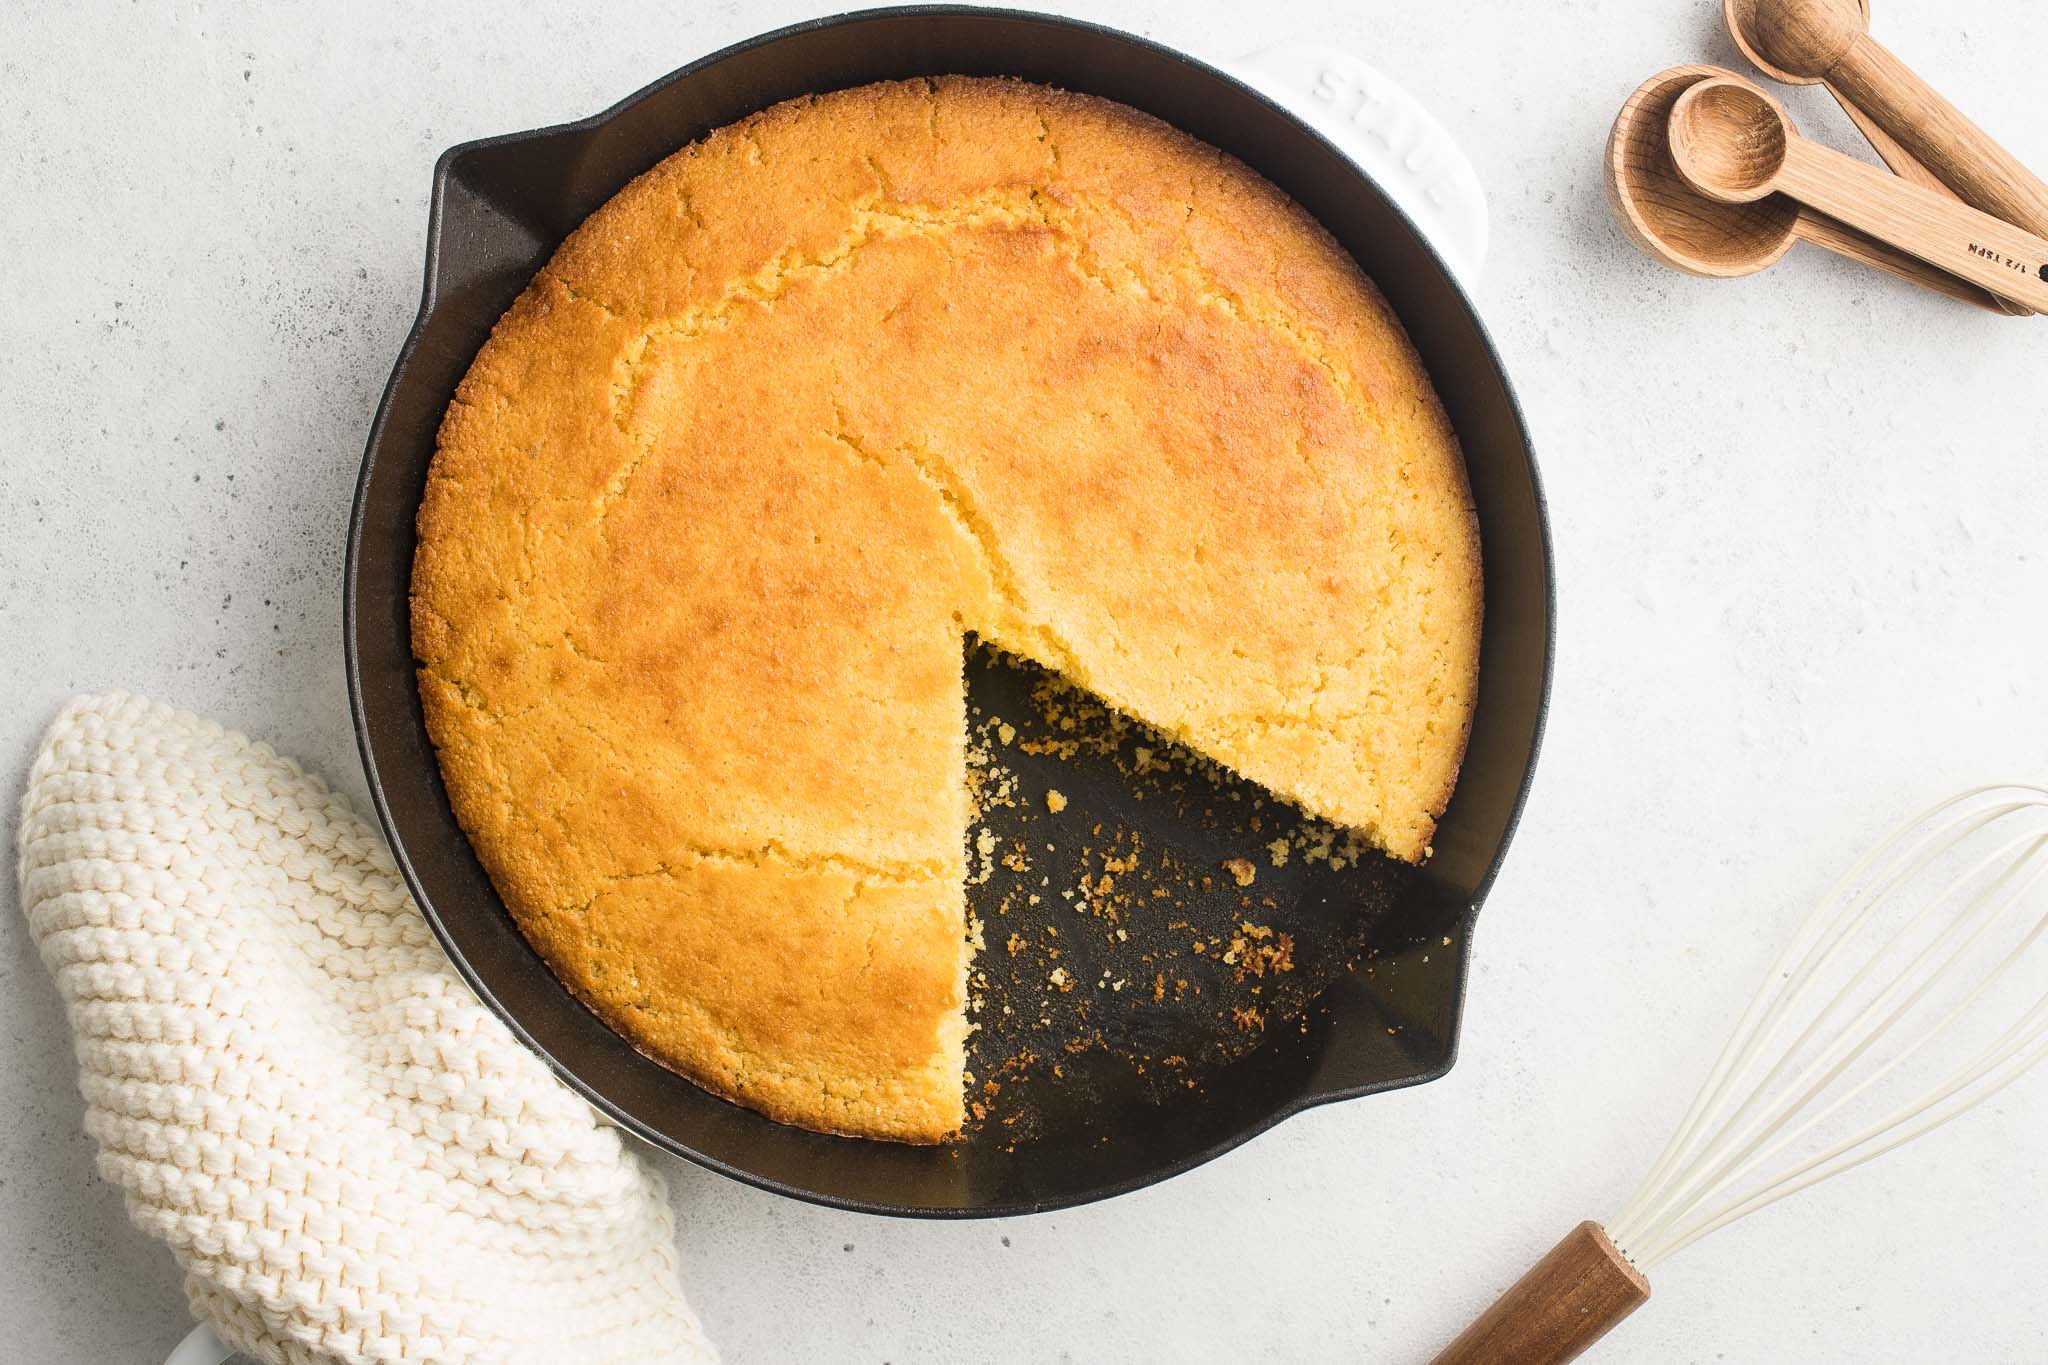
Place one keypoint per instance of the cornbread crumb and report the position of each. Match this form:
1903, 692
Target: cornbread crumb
1241, 870
1055, 801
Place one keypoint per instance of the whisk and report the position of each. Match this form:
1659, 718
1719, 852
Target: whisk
1908, 996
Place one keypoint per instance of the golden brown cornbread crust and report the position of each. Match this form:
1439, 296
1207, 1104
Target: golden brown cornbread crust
717, 500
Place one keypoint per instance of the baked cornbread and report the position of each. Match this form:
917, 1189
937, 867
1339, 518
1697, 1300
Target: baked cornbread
801, 406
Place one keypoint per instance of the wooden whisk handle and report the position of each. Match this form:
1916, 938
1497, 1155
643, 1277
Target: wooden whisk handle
1567, 1301
1984, 174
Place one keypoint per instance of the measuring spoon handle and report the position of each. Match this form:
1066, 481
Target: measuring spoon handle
2006, 260
1824, 231
1983, 173
1907, 167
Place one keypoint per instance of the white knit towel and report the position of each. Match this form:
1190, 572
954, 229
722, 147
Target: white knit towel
350, 1157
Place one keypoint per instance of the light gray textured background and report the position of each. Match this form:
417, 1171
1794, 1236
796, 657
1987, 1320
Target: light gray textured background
1802, 573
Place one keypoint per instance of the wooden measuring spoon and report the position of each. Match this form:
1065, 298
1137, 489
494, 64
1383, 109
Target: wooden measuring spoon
1742, 27
1672, 222
1828, 40
1733, 142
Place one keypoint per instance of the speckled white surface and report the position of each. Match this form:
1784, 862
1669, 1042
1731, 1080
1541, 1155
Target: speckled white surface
1802, 534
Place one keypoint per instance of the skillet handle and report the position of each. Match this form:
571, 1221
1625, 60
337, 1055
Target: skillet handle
1567, 1301
1389, 134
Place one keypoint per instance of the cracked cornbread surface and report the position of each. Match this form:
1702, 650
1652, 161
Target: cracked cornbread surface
716, 503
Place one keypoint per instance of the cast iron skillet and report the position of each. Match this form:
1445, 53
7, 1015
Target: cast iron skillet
1380, 950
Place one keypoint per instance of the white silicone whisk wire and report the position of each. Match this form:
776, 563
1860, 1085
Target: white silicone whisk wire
1840, 1013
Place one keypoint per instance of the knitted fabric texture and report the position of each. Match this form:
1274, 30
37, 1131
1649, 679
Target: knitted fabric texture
351, 1158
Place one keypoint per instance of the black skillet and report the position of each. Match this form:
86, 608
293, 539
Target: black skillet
1102, 1089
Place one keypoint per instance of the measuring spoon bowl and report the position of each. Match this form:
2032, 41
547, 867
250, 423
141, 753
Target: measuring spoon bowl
1665, 216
